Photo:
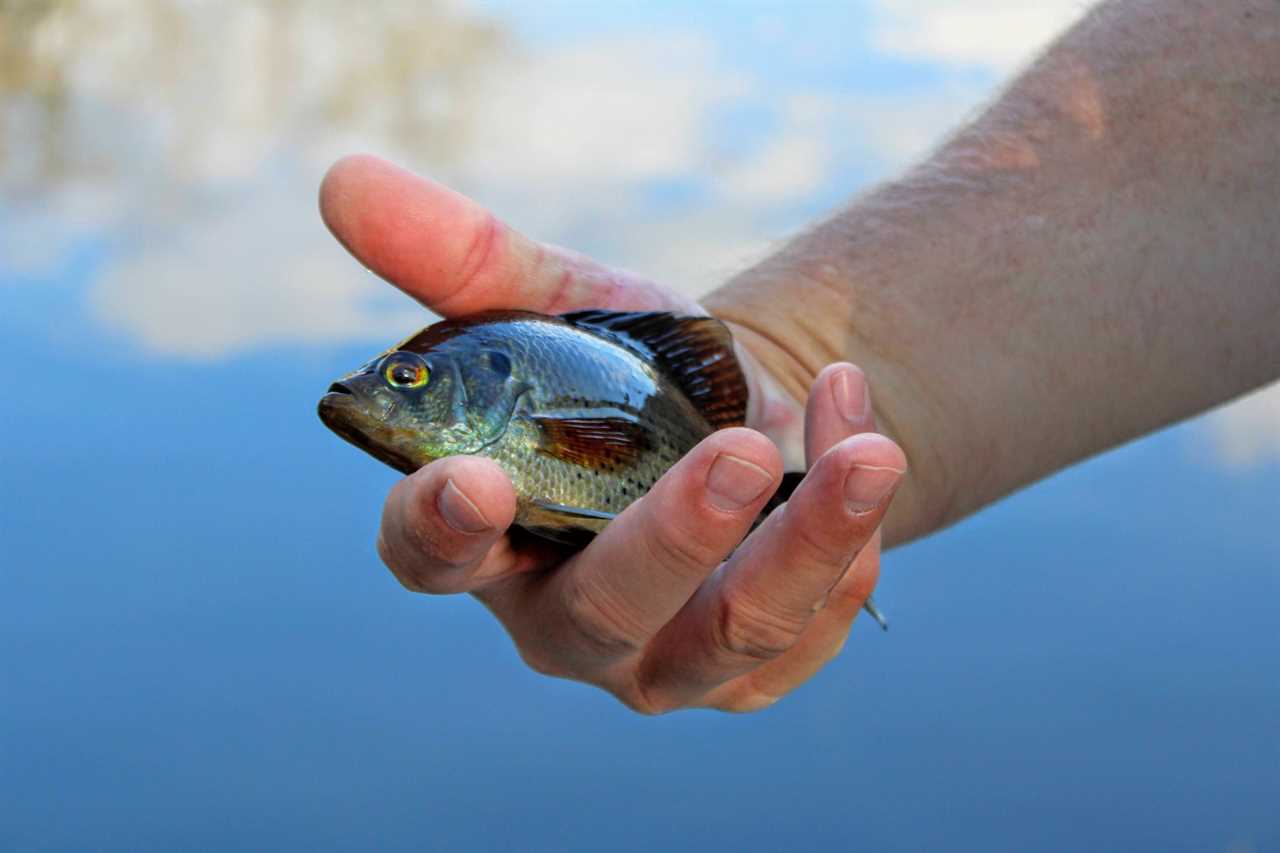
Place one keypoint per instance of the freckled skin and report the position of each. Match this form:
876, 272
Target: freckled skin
492, 377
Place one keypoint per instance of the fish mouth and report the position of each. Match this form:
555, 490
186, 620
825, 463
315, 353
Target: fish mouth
340, 411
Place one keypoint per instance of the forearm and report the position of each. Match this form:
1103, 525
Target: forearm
1097, 255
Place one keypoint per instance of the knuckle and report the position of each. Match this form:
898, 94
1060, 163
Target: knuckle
825, 545
404, 529
832, 651
410, 583
641, 704
482, 250
855, 587
430, 584
749, 703
849, 596
542, 663
418, 532
638, 694
385, 554
745, 701
404, 574
420, 570
679, 549
601, 625
746, 630
417, 554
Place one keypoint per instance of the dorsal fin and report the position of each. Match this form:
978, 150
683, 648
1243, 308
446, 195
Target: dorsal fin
696, 352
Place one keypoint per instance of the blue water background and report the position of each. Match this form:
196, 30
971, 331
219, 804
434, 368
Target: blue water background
199, 649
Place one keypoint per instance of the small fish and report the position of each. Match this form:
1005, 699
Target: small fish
583, 411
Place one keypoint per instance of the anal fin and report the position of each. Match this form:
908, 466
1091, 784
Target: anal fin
572, 525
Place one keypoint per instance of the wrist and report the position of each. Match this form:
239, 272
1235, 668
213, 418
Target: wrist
785, 348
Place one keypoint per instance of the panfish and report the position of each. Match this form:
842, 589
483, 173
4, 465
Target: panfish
583, 411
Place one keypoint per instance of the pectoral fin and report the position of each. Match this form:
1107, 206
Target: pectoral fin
592, 442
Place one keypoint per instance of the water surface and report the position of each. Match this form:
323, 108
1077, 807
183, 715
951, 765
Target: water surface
198, 647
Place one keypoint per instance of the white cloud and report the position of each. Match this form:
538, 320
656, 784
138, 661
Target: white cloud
612, 109
1247, 432
791, 164
897, 131
693, 251
996, 34
258, 271
197, 150
194, 135
202, 130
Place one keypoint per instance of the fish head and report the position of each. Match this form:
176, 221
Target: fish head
409, 408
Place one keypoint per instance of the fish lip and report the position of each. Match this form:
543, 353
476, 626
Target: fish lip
340, 399
334, 402
330, 409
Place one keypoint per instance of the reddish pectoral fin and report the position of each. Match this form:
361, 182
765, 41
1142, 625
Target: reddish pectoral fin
592, 442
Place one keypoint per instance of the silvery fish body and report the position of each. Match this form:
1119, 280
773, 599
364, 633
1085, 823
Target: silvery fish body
584, 411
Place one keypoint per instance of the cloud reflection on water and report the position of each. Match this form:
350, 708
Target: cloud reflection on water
189, 139
995, 34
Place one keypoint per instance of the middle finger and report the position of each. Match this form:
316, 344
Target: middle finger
761, 602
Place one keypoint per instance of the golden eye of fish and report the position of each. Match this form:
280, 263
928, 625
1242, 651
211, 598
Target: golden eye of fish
406, 371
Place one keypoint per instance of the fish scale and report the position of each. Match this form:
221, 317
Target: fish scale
579, 376
581, 417
584, 412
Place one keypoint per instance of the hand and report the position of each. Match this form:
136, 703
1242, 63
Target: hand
668, 607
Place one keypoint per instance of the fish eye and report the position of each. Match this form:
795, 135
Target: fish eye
405, 370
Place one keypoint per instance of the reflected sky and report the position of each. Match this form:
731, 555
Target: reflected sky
198, 648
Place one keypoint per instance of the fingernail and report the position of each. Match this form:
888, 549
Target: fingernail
458, 510
866, 487
733, 483
853, 401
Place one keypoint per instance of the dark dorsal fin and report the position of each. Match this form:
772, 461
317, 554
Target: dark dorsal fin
696, 352
592, 442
